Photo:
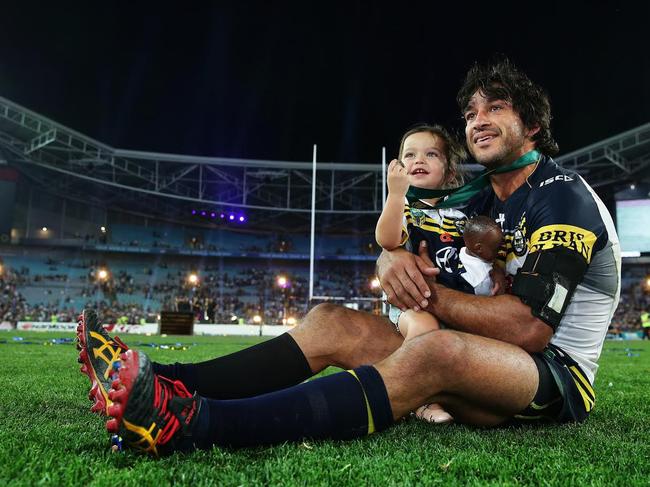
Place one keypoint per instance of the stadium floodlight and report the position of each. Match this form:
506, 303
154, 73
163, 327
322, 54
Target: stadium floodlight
102, 274
257, 319
282, 281
193, 278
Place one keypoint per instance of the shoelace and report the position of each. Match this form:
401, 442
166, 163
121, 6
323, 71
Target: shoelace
175, 404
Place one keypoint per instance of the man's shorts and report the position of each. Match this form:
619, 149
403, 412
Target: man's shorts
564, 394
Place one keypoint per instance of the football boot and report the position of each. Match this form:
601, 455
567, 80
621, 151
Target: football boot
149, 412
99, 356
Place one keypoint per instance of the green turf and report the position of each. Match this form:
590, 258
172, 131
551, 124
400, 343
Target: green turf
48, 436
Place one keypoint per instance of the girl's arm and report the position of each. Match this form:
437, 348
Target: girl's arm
389, 226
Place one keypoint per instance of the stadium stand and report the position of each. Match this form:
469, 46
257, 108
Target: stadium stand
150, 220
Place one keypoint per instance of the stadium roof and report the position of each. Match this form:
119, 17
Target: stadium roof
72, 165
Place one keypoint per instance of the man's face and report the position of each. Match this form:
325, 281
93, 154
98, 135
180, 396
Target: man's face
494, 132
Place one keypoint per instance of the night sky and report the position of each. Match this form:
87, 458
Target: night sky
266, 80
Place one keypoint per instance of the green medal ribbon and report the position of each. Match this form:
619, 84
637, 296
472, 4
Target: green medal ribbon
462, 194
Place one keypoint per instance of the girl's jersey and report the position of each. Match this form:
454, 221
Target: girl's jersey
442, 229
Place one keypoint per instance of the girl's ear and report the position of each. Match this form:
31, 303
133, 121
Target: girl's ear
450, 177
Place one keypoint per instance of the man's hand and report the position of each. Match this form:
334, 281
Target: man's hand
403, 277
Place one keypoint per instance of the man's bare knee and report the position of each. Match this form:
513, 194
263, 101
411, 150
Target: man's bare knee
334, 335
440, 352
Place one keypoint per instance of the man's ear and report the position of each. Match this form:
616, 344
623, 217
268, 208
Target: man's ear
533, 130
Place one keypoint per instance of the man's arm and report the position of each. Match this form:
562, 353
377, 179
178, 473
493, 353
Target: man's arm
503, 317
402, 276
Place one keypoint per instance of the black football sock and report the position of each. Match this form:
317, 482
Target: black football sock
341, 406
268, 366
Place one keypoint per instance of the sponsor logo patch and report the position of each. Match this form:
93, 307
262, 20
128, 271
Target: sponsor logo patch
419, 217
446, 258
575, 238
519, 242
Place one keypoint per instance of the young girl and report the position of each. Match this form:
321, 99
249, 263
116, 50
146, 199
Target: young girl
428, 158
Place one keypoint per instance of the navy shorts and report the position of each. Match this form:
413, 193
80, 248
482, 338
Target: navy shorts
564, 394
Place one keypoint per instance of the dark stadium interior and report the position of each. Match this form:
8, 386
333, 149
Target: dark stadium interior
193, 159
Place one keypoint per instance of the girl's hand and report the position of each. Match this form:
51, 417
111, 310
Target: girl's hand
398, 182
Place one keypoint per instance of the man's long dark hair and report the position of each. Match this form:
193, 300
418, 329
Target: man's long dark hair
503, 81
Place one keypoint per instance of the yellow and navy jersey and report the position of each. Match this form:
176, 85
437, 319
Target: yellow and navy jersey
442, 229
556, 207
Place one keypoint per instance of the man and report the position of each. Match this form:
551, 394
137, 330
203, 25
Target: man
528, 355
645, 324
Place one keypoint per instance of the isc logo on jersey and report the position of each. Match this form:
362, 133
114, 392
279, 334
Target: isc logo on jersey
559, 177
576, 238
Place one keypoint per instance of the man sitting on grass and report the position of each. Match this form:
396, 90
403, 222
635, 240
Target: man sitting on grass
527, 356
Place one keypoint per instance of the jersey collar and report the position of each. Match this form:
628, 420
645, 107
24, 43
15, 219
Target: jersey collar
462, 194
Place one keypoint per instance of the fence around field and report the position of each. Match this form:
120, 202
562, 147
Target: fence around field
153, 328
207, 329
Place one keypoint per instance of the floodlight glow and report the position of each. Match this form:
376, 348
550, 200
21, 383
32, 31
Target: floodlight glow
282, 281
231, 217
193, 278
241, 218
102, 274
44, 229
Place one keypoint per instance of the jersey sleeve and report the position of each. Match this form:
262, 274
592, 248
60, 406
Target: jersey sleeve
564, 213
406, 219
564, 228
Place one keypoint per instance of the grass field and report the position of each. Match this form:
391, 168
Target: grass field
49, 437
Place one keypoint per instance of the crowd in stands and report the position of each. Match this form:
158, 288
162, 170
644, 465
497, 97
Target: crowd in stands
221, 294
196, 240
218, 296
635, 299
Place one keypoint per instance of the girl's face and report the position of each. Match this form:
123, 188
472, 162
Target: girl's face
424, 159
